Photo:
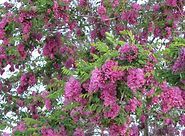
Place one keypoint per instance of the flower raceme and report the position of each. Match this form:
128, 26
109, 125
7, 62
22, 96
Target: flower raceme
179, 65
72, 89
128, 52
171, 97
135, 79
27, 79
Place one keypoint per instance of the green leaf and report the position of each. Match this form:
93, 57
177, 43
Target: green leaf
55, 94
102, 47
30, 121
2, 126
71, 105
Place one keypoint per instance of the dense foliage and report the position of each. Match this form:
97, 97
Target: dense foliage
83, 67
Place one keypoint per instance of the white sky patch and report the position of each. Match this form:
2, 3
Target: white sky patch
2, 1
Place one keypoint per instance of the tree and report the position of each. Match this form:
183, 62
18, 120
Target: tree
110, 67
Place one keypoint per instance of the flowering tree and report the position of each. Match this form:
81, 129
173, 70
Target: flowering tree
102, 67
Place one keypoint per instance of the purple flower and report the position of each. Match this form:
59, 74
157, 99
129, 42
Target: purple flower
171, 97
134, 130
52, 46
168, 121
132, 105
95, 80
82, 3
156, 7
24, 80
115, 3
111, 71
108, 94
48, 104
63, 131
135, 79
182, 119
5, 134
113, 111
2, 33
26, 27
116, 130
101, 10
183, 132
130, 16
27, 79
31, 79
72, 89
48, 132
21, 89
69, 62
21, 50
128, 52
179, 65
20, 102
136, 6
78, 132
172, 3
21, 127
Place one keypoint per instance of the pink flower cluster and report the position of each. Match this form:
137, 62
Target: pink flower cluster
21, 127
108, 94
104, 79
72, 90
3, 55
128, 52
131, 15
115, 3
101, 10
132, 105
108, 72
52, 46
136, 6
171, 98
48, 132
182, 119
134, 131
82, 3
53, 132
3, 23
172, 3
113, 111
102, 13
47, 101
78, 132
27, 79
95, 81
135, 79
117, 130
111, 71
179, 64
22, 51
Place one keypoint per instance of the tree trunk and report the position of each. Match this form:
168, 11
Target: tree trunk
146, 130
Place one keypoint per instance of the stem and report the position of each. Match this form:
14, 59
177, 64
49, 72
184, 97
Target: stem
146, 131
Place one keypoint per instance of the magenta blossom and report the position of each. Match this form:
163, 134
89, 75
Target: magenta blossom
113, 111
78, 132
21, 127
95, 80
72, 89
128, 52
135, 79
179, 65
